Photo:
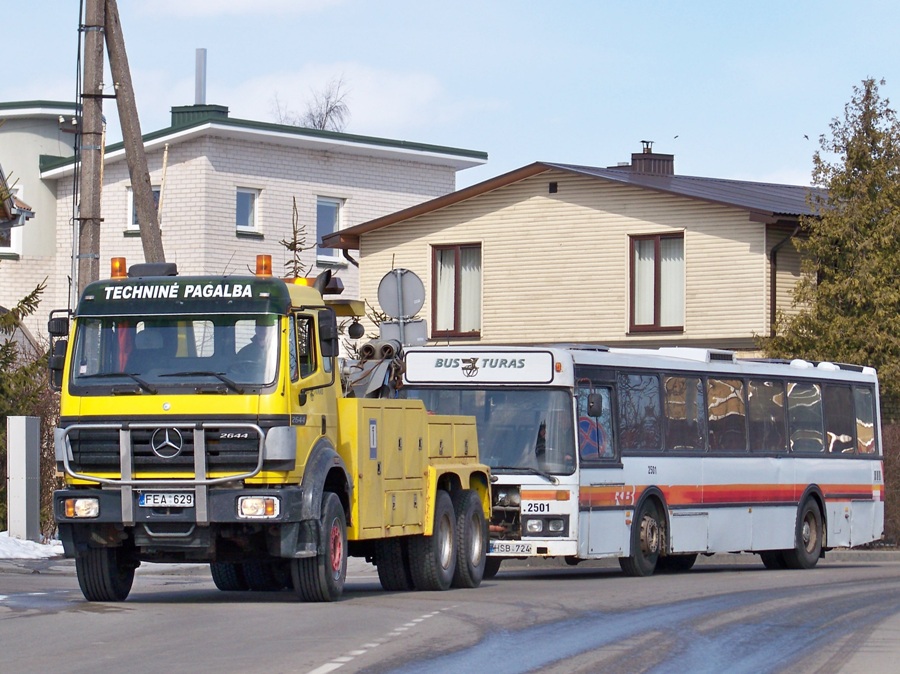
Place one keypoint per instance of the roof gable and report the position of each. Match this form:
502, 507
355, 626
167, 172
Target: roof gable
765, 202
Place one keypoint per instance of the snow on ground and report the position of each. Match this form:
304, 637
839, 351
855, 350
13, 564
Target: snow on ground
13, 548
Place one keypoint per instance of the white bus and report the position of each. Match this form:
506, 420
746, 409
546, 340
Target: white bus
657, 455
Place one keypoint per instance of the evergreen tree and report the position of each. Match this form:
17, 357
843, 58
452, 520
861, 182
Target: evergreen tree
849, 293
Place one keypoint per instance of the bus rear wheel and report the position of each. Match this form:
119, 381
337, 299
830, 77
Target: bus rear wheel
646, 542
807, 538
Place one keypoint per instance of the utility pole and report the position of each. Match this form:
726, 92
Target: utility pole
91, 146
102, 19
142, 190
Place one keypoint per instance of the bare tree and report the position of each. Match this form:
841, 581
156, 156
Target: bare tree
328, 110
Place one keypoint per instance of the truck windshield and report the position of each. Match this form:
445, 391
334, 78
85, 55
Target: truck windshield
518, 430
226, 352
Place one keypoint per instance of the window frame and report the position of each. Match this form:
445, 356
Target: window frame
329, 255
131, 223
457, 291
254, 220
14, 249
656, 326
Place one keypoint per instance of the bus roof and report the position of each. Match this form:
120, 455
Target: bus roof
554, 364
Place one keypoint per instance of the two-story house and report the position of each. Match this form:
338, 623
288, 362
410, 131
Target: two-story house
631, 255
227, 189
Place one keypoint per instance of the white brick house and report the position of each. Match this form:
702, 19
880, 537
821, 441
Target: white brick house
227, 189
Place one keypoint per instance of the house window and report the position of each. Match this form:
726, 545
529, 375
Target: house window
246, 217
328, 221
657, 282
457, 290
132, 212
11, 237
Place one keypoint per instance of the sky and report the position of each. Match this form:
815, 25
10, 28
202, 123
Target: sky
738, 90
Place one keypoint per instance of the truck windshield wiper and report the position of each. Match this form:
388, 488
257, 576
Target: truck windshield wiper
140, 382
230, 383
528, 469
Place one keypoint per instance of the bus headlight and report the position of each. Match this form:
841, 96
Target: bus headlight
556, 526
82, 507
259, 507
534, 526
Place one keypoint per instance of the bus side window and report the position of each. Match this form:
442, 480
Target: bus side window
685, 413
765, 402
840, 423
805, 417
865, 420
727, 415
595, 434
639, 411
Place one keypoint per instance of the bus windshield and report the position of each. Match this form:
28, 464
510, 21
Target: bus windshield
224, 351
527, 429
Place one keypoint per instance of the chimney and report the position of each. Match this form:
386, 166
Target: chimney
200, 78
648, 162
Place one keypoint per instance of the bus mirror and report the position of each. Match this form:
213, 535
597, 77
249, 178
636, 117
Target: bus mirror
595, 405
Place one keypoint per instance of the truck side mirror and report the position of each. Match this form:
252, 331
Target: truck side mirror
58, 327
328, 334
57, 363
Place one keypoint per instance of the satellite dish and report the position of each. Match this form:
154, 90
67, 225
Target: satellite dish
401, 293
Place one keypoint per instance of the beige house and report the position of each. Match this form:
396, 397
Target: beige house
624, 256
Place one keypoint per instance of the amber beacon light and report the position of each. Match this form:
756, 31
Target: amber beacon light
263, 265
117, 268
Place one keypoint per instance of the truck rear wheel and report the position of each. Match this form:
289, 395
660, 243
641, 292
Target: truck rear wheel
471, 538
228, 576
392, 562
322, 578
432, 559
105, 574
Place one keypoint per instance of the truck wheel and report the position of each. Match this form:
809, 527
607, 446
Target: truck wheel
104, 574
646, 542
392, 562
265, 576
228, 576
432, 559
471, 538
808, 538
322, 578
492, 566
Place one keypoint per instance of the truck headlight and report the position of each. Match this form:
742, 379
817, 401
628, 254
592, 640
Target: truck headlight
259, 507
83, 508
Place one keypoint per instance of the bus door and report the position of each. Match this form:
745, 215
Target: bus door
604, 494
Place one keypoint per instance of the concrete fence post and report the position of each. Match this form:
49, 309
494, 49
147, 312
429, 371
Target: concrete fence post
23, 468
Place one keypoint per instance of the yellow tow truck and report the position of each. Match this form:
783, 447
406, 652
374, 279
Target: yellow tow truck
210, 419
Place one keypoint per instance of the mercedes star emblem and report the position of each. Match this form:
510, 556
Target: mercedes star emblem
167, 443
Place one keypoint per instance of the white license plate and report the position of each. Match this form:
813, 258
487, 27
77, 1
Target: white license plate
510, 548
166, 500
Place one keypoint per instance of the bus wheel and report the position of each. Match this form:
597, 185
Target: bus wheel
807, 539
322, 578
392, 562
646, 543
228, 576
432, 559
104, 574
676, 563
471, 538
773, 559
492, 566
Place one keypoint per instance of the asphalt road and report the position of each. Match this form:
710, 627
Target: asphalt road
728, 614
